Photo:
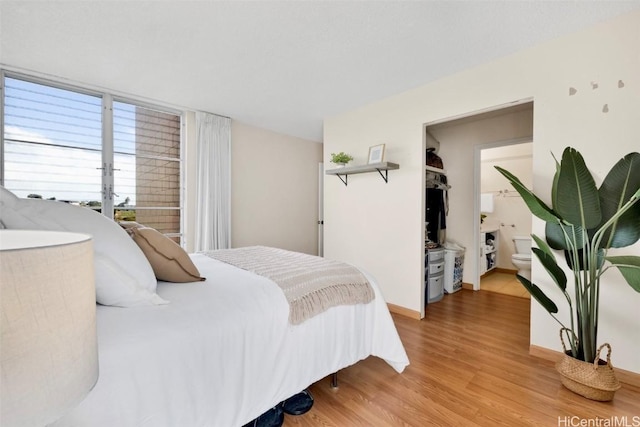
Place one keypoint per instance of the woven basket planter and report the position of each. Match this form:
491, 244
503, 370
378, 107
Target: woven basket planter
595, 381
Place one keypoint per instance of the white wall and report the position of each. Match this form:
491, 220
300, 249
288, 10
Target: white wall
378, 226
274, 189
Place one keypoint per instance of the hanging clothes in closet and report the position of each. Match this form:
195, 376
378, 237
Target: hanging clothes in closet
436, 207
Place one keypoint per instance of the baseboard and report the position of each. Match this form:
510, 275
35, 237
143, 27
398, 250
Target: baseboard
468, 286
626, 377
403, 311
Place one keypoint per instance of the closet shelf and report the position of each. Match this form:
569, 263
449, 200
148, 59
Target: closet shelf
352, 170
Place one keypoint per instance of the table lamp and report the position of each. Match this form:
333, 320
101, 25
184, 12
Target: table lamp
48, 347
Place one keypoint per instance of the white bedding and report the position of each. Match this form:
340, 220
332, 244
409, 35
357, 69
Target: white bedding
222, 352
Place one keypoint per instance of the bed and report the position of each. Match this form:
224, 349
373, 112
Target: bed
217, 352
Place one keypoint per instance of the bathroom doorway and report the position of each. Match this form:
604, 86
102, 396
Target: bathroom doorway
504, 215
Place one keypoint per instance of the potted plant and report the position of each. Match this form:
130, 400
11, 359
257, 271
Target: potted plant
340, 158
584, 222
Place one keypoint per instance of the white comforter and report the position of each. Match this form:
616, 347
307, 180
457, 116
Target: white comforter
222, 352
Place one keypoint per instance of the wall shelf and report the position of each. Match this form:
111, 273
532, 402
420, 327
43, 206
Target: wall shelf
352, 170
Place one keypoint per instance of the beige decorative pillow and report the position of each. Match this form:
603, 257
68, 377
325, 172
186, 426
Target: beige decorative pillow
169, 261
129, 226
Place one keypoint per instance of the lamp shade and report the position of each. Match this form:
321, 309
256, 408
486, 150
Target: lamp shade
48, 348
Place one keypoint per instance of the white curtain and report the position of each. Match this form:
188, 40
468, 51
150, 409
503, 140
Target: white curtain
213, 185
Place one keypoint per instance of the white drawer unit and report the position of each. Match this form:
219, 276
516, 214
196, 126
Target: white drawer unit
434, 275
436, 268
434, 289
436, 255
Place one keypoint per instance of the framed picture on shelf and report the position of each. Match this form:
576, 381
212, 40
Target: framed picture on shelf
376, 154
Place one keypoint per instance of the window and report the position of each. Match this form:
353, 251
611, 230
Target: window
52, 143
147, 166
112, 155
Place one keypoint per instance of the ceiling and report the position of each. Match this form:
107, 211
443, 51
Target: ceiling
278, 65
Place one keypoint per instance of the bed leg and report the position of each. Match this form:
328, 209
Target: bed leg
334, 380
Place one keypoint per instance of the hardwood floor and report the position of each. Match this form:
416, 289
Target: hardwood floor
470, 366
503, 283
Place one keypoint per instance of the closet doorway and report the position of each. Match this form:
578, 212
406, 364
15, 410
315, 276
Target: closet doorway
461, 141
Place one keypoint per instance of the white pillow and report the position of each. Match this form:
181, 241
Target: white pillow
124, 276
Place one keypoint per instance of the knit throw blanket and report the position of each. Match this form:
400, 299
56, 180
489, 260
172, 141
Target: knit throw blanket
310, 283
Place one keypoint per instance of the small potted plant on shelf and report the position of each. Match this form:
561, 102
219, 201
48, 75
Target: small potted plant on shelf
341, 158
583, 223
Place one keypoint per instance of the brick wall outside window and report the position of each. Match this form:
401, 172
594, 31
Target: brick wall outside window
158, 170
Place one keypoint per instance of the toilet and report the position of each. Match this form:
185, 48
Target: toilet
521, 259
